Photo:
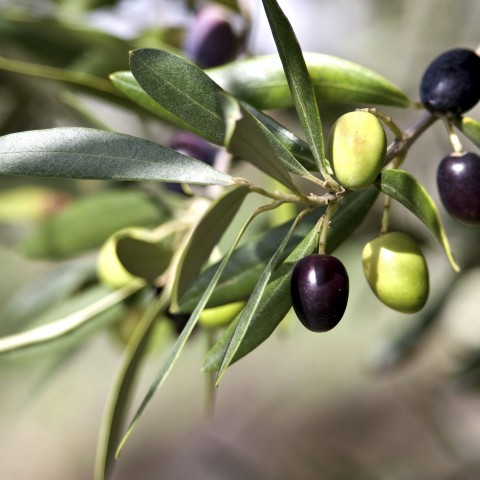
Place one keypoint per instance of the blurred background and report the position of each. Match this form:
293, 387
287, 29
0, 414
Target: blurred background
383, 396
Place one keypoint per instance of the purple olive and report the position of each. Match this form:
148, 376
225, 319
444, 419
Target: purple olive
211, 40
458, 181
451, 83
319, 290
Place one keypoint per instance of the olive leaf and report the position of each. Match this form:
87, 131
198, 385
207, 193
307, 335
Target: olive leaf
87, 153
125, 82
71, 231
204, 238
123, 388
469, 127
246, 138
298, 79
407, 190
261, 82
181, 88
87, 308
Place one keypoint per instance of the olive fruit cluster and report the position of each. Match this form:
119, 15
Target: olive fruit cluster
396, 271
357, 146
451, 83
319, 290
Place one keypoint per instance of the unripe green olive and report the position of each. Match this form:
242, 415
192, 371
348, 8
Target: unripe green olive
110, 270
396, 271
220, 316
357, 145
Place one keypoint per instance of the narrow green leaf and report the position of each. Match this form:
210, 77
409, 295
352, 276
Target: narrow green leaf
87, 153
274, 306
122, 391
71, 231
125, 82
469, 127
182, 338
261, 82
244, 322
41, 293
182, 88
404, 188
63, 327
248, 139
298, 79
276, 302
204, 238
296, 146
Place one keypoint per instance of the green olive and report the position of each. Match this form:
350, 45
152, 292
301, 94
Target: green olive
396, 271
220, 316
357, 145
110, 270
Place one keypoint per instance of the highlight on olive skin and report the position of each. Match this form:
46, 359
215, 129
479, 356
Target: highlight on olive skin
357, 147
458, 181
450, 84
319, 288
397, 272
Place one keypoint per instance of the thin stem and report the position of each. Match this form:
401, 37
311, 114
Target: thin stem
386, 215
324, 226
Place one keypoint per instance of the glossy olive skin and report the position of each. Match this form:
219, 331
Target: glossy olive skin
211, 40
357, 145
458, 182
396, 271
319, 289
450, 84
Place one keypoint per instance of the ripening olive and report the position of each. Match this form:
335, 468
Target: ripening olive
451, 83
458, 180
357, 147
396, 271
319, 290
211, 41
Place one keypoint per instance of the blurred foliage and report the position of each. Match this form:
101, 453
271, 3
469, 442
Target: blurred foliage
54, 71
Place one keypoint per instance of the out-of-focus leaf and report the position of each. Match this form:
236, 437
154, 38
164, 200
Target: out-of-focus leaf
45, 291
246, 138
204, 238
182, 88
298, 79
248, 261
275, 301
87, 153
89, 221
27, 203
122, 391
470, 128
261, 82
407, 190
68, 318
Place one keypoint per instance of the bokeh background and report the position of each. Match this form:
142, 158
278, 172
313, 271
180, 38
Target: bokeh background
383, 396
